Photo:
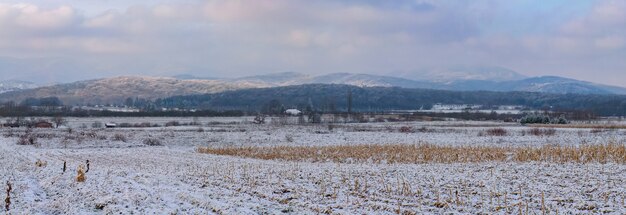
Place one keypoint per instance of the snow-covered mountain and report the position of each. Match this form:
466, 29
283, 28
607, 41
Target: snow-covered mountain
463, 73
510, 81
115, 90
13, 85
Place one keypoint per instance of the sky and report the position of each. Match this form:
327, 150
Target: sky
69, 40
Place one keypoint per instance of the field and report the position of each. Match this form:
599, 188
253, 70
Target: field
232, 166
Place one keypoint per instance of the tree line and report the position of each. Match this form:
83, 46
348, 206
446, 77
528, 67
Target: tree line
330, 98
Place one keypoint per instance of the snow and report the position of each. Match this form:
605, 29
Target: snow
130, 177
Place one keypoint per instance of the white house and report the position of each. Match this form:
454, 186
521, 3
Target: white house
293, 112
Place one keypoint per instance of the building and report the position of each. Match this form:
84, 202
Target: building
293, 112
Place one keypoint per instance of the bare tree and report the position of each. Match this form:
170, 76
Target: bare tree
58, 120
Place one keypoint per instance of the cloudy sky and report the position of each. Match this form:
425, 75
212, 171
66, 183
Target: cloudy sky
66, 40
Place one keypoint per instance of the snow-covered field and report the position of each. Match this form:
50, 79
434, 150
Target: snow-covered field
127, 176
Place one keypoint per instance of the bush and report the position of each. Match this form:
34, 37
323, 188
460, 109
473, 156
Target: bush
152, 142
406, 129
496, 132
27, 139
172, 123
119, 137
289, 138
542, 132
542, 119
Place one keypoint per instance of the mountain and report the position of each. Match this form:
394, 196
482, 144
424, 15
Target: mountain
544, 84
117, 89
463, 73
13, 85
510, 82
363, 80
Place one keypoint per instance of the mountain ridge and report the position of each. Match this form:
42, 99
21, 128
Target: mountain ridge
114, 90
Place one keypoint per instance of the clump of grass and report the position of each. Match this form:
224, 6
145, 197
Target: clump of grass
40, 163
598, 130
426, 153
592, 126
289, 138
152, 142
81, 174
27, 139
406, 129
541, 131
496, 132
172, 123
9, 133
119, 137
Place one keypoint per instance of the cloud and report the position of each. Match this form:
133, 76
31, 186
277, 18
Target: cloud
237, 37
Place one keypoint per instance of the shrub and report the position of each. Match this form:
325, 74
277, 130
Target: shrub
172, 123
542, 132
27, 139
406, 129
9, 133
124, 125
542, 119
424, 129
119, 137
152, 142
496, 132
289, 138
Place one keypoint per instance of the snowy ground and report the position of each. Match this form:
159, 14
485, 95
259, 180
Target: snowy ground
131, 177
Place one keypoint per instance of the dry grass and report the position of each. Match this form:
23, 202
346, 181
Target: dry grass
119, 137
593, 126
540, 132
426, 153
80, 177
493, 132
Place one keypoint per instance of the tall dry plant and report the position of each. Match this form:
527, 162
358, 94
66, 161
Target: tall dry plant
7, 200
81, 174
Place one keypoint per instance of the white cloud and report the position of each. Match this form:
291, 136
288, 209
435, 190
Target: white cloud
237, 37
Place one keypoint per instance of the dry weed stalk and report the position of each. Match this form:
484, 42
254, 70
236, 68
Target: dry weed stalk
7, 200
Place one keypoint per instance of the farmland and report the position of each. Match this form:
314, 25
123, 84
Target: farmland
233, 166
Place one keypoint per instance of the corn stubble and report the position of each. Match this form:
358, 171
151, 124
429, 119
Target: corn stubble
427, 153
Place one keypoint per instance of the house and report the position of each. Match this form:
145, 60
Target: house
293, 112
43, 124
455, 107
